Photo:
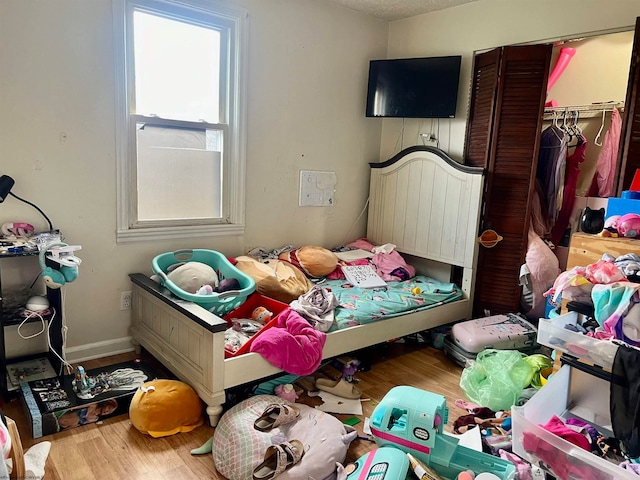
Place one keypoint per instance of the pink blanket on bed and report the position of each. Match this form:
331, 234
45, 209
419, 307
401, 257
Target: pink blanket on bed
292, 345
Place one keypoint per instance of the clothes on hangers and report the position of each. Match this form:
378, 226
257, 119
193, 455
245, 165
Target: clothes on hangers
570, 185
602, 183
551, 159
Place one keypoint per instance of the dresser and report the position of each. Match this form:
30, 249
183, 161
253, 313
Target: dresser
585, 249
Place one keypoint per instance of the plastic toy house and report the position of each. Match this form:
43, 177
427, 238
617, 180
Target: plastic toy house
412, 420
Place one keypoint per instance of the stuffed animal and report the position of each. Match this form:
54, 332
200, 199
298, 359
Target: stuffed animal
225, 285
165, 407
314, 261
629, 225
592, 220
192, 275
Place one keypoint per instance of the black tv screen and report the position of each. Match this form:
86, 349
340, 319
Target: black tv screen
414, 87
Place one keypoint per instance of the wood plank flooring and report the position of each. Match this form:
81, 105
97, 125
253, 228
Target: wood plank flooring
114, 449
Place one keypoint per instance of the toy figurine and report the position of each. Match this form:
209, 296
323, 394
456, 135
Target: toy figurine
82, 383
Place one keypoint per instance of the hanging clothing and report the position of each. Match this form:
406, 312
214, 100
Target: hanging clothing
625, 399
602, 183
570, 185
553, 152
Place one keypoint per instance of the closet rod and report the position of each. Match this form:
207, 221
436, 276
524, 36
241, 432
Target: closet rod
592, 110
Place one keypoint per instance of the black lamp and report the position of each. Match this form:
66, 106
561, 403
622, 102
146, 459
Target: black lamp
6, 184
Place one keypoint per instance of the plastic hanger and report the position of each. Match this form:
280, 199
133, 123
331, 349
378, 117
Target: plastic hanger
597, 139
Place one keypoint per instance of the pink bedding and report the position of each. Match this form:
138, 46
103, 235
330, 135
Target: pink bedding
292, 345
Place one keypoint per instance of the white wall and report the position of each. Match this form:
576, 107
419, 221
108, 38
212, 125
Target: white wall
308, 68
308, 64
487, 24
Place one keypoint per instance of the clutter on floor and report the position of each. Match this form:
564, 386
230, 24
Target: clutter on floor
163, 407
56, 404
263, 436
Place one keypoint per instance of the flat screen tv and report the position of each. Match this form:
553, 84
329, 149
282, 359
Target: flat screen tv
413, 87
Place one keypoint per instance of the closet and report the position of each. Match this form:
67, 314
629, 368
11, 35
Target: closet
504, 127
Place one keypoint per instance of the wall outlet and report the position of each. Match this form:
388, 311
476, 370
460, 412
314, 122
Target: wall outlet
125, 300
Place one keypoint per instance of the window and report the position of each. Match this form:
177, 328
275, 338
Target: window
180, 119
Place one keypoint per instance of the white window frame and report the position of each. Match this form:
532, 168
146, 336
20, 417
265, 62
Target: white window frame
234, 19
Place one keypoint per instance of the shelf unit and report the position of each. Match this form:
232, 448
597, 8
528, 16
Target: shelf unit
11, 316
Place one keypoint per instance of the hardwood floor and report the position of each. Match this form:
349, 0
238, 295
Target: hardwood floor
114, 449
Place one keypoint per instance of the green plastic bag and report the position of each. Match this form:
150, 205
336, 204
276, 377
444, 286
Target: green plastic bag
496, 378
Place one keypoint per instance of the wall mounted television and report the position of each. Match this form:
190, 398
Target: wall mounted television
413, 87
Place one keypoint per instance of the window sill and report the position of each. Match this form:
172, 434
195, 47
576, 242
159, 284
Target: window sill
169, 233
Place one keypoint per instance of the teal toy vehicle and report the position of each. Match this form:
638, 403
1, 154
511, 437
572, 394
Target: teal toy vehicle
412, 420
384, 463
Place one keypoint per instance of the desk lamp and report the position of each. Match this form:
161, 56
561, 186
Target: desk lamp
6, 184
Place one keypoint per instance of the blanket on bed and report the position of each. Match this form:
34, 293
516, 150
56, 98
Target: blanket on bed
292, 345
358, 306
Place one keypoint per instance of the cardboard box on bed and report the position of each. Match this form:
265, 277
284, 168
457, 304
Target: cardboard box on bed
51, 405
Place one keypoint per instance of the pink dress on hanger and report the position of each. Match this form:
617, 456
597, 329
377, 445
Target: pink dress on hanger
570, 184
602, 184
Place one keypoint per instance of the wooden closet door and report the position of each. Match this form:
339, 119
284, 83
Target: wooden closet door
505, 121
629, 152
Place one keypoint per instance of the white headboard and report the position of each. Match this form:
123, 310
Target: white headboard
426, 204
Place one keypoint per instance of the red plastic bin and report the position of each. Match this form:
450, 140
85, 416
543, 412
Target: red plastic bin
254, 301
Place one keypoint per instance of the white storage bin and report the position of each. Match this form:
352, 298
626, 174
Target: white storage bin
551, 332
570, 392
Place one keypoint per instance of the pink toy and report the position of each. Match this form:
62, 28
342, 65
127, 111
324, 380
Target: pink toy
205, 290
566, 54
612, 222
629, 225
286, 392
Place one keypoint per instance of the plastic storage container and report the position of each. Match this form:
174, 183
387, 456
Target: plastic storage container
551, 332
570, 392
254, 301
502, 332
218, 303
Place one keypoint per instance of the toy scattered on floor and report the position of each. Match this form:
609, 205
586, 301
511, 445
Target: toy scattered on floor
348, 367
87, 387
386, 463
412, 420
165, 407
422, 471
237, 446
82, 383
286, 392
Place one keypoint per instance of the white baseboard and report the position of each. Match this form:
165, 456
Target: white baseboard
92, 351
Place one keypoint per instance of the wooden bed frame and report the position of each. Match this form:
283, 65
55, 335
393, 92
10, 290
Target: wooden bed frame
422, 201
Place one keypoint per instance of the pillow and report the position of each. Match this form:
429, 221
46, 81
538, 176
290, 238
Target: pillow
192, 275
238, 447
165, 407
544, 268
313, 261
275, 278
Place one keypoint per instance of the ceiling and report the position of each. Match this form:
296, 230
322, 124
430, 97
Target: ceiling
398, 9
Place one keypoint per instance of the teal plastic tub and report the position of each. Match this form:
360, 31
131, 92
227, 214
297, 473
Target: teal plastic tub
218, 303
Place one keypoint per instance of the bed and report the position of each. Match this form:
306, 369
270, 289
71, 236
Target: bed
422, 201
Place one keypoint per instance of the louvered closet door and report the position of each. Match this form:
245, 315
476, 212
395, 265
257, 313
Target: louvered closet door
513, 130
483, 98
629, 156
